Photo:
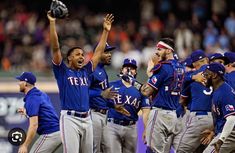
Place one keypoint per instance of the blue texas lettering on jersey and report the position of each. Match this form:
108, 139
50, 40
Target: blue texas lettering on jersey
127, 100
81, 81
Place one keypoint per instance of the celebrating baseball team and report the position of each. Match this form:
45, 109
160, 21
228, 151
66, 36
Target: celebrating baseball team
186, 106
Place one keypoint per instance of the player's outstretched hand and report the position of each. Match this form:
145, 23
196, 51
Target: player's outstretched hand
109, 93
217, 145
207, 135
121, 109
108, 20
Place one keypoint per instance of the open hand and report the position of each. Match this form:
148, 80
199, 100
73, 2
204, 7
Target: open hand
109, 93
199, 78
108, 20
207, 136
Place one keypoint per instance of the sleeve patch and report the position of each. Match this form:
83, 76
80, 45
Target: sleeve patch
229, 107
154, 80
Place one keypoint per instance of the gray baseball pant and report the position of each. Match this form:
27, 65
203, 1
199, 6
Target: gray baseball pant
47, 143
227, 147
99, 122
191, 136
76, 133
120, 139
162, 126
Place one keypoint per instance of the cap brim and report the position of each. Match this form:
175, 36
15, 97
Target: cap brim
131, 65
18, 78
110, 48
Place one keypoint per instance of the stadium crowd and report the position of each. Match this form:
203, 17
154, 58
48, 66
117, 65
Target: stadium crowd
207, 24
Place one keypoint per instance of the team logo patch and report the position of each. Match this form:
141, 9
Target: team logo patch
154, 80
229, 107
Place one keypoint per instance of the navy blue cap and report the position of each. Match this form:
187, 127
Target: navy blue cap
187, 62
215, 56
197, 55
107, 47
129, 62
27, 77
216, 68
230, 56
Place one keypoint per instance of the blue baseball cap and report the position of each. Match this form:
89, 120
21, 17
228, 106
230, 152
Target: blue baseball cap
197, 55
107, 47
230, 56
218, 56
27, 77
187, 62
216, 68
129, 62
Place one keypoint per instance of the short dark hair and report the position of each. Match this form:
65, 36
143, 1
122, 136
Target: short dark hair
168, 41
70, 51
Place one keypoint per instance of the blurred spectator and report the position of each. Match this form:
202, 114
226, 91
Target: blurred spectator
230, 24
126, 51
183, 40
148, 52
210, 36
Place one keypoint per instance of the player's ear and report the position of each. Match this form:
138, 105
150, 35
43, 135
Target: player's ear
214, 75
69, 58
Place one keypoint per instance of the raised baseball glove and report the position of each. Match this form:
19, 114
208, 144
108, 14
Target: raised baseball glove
58, 9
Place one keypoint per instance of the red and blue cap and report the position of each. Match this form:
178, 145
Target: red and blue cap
27, 77
129, 62
216, 68
197, 55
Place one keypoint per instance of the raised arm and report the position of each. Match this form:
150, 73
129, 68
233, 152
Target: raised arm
55, 47
108, 20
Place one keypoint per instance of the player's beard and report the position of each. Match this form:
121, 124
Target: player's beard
208, 83
22, 90
163, 57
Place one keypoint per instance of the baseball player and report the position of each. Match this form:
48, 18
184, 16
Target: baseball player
199, 99
164, 86
42, 117
223, 109
98, 104
73, 83
121, 130
230, 69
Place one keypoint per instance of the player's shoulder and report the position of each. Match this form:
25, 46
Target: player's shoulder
165, 66
115, 83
